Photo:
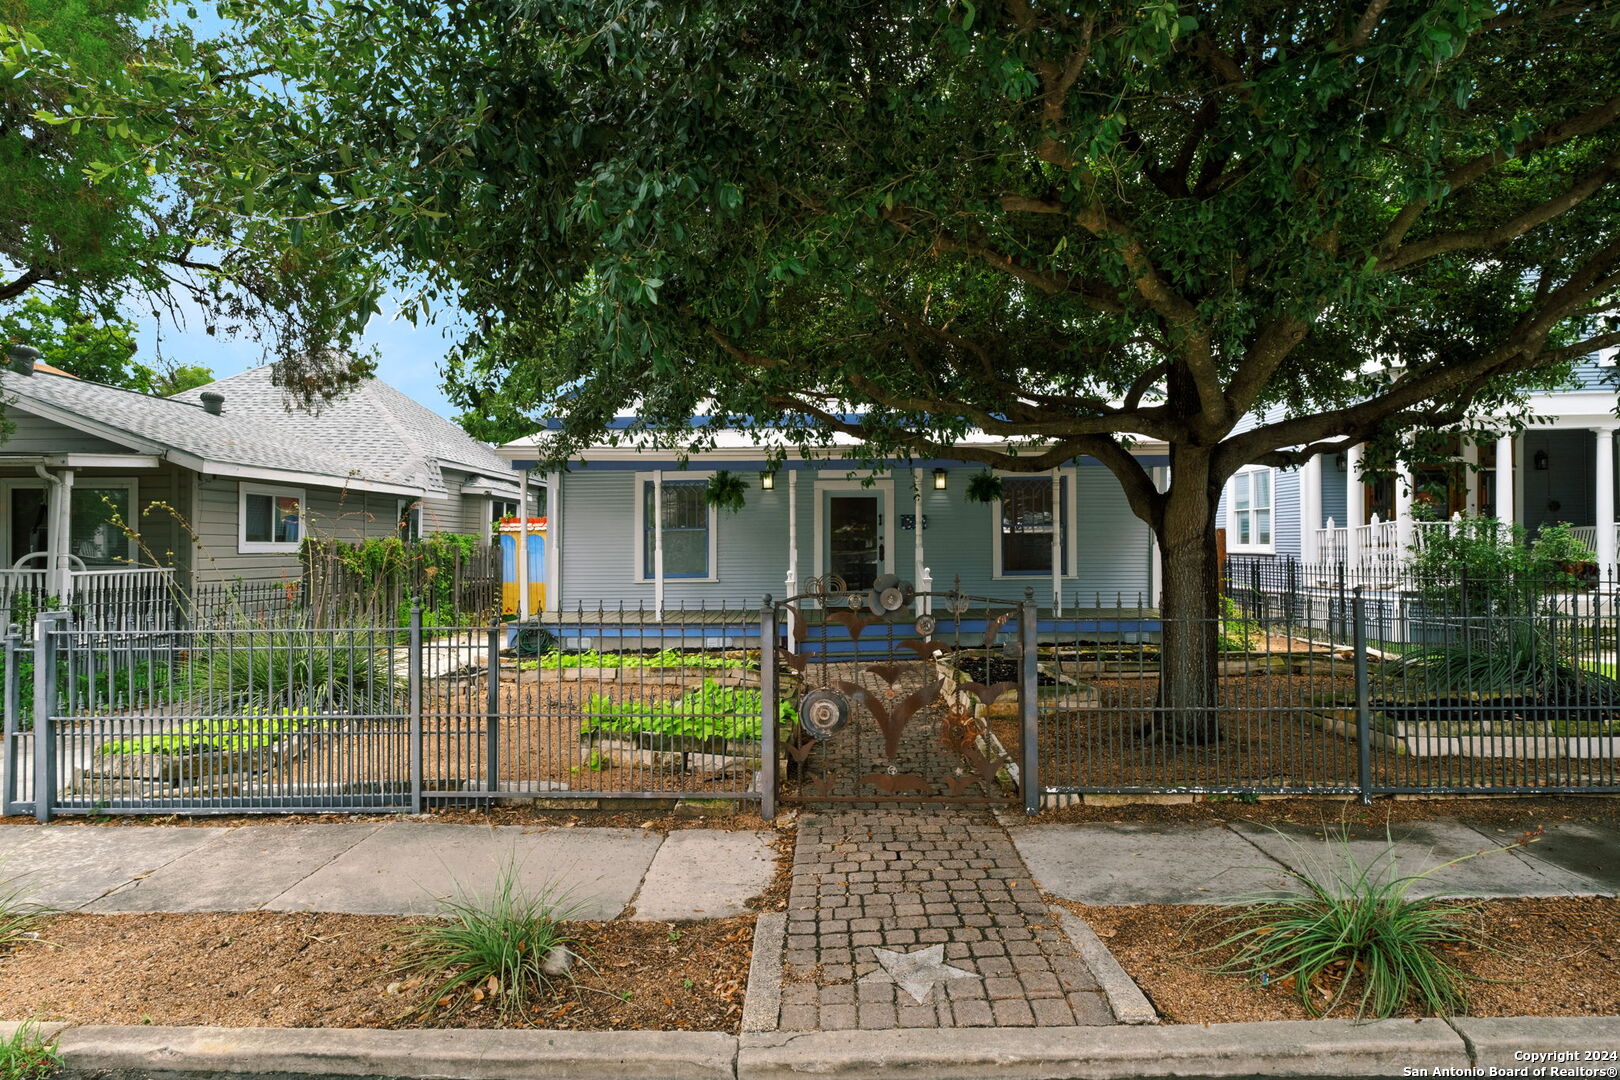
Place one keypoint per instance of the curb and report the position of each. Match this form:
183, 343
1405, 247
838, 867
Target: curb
1281, 1048
1125, 998
467, 1054
762, 1001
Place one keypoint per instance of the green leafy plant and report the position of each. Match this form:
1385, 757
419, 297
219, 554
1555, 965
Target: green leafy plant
273, 669
1353, 930
664, 659
708, 711
1480, 566
493, 946
250, 731
726, 490
1238, 634
983, 487
28, 1055
1521, 657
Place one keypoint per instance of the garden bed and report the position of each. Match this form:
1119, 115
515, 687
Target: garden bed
1557, 957
268, 969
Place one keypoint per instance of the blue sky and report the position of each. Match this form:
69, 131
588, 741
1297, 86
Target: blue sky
409, 357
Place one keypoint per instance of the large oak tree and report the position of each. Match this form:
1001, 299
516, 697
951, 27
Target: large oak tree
1069, 224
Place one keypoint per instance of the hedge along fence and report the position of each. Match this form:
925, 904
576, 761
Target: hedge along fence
455, 577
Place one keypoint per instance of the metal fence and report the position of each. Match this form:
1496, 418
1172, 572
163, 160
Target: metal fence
1468, 687
1324, 680
295, 718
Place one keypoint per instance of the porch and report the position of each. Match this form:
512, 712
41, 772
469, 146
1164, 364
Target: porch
1563, 472
71, 535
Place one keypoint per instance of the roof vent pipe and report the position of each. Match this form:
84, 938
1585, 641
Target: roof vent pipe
23, 358
212, 402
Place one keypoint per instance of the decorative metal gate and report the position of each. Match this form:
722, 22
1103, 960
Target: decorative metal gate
891, 695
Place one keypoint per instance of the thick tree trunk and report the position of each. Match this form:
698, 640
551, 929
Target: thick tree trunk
1190, 607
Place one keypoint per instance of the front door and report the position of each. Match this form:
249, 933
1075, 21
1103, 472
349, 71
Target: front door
29, 509
855, 539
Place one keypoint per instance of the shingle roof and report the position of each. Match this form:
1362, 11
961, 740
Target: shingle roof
376, 435
374, 425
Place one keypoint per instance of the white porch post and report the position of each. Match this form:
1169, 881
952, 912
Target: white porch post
1504, 480
1057, 541
1603, 476
792, 581
658, 544
1310, 507
1355, 505
1405, 489
1155, 563
59, 541
919, 571
553, 540
1470, 457
521, 546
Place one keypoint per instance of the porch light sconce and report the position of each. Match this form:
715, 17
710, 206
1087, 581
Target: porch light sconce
1541, 461
767, 481
939, 479
1341, 462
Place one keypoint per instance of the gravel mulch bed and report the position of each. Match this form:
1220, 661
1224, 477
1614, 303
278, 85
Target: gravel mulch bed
1549, 957
266, 969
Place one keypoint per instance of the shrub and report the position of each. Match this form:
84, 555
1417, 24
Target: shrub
1237, 633
1480, 566
1354, 926
493, 946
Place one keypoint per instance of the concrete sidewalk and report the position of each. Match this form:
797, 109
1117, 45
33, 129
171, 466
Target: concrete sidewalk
1109, 864
387, 868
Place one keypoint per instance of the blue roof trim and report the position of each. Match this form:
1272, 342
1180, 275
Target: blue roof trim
828, 465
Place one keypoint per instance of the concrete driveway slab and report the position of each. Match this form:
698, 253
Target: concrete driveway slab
1145, 864
1420, 845
405, 868
705, 874
69, 866
244, 869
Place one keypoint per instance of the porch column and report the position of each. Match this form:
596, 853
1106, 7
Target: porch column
1470, 457
658, 544
1310, 507
1057, 541
1355, 505
1504, 480
521, 546
792, 582
1604, 477
1155, 562
554, 540
918, 569
1405, 489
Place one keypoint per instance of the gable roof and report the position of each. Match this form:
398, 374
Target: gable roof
379, 429
345, 446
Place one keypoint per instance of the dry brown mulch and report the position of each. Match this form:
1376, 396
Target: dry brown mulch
1515, 813
269, 969
1553, 957
741, 815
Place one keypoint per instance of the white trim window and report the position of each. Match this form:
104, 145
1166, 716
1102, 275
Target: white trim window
689, 522
408, 519
1022, 519
1248, 509
269, 518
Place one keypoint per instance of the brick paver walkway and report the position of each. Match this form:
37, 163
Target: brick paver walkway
905, 879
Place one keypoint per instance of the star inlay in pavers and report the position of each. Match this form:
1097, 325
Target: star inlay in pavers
917, 972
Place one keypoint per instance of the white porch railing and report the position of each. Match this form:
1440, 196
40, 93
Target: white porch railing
1587, 534
121, 598
1333, 543
1378, 540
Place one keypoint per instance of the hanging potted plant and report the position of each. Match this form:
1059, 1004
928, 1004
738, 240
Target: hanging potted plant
984, 487
725, 490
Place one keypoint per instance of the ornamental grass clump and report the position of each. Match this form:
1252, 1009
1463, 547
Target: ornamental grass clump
28, 1055
1355, 933
505, 948
18, 914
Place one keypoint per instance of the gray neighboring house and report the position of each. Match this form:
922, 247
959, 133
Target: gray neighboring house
219, 484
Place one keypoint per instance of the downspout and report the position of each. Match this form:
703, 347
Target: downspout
53, 531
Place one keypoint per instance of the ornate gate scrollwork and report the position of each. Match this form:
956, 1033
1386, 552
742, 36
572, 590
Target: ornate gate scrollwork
885, 712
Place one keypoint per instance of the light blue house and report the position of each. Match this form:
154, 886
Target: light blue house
630, 527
